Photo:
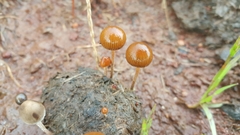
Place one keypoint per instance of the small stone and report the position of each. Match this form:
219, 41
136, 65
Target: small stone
74, 25
6, 55
35, 66
200, 45
178, 70
181, 42
47, 30
73, 36
184, 93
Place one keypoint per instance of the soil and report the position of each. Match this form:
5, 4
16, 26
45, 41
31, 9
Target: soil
40, 38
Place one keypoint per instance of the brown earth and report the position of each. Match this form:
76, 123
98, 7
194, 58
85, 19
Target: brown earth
40, 38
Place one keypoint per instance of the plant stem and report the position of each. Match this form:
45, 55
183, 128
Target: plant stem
210, 118
113, 54
73, 7
164, 5
90, 23
135, 78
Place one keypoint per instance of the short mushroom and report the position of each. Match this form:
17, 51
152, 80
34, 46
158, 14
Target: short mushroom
20, 98
112, 38
139, 55
32, 112
94, 133
104, 63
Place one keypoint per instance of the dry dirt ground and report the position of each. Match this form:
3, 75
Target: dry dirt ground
41, 37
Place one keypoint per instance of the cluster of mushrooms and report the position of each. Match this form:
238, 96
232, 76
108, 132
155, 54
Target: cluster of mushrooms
138, 54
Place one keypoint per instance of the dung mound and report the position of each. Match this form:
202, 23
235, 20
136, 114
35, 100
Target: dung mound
74, 100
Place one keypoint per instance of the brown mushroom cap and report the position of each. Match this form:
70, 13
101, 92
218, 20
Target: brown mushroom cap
105, 62
112, 38
94, 133
32, 112
139, 54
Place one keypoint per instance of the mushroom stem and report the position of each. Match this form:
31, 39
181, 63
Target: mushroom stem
113, 54
43, 128
105, 70
135, 78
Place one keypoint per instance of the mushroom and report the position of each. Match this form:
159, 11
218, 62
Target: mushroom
105, 62
32, 112
20, 98
112, 38
139, 55
94, 133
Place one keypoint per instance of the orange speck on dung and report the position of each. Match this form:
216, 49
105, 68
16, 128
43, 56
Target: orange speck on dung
104, 110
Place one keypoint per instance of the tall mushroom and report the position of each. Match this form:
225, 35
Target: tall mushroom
139, 55
112, 38
32, 112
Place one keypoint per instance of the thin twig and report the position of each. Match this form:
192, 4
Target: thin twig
90, 23
1, 34
75, 76
2, 63
8, 16
87, 46
73, 8
164, 5
163, 82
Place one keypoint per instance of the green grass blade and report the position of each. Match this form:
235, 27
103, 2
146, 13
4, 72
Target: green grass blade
217, 92
146, 124
221, 90
235, 48
234, 62
214, 105
225, 68
210, 118
217, 79
206, 99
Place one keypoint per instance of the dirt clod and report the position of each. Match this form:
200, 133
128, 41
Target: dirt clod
74, 101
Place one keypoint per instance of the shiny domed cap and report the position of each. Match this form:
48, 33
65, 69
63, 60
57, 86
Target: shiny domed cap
112, 38
139, 54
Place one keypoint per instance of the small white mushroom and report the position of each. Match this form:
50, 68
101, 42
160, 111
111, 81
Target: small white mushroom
32, 112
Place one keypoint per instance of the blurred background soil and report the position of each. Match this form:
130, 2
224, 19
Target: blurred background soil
40, 38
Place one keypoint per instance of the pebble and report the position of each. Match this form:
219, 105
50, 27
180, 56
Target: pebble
6, 55
181, 42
